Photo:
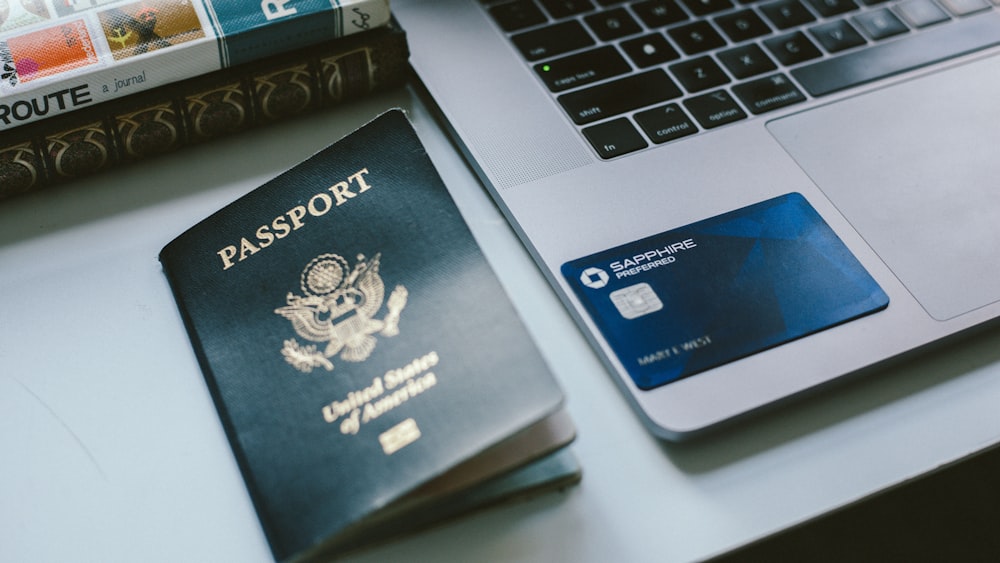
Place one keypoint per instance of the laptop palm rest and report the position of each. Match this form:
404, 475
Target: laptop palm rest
916, 173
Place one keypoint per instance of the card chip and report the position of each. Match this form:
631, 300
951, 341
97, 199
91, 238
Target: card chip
636, 300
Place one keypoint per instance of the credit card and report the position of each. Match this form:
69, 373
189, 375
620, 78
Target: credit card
693, 298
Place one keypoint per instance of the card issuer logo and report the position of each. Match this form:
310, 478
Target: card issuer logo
594, 278
337, 307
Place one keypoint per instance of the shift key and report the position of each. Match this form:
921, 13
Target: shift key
620, 96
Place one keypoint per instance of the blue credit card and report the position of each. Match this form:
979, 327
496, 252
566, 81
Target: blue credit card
690, 299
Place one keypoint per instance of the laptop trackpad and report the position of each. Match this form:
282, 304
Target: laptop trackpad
916, 169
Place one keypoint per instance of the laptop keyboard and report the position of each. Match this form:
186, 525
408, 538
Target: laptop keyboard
632, 74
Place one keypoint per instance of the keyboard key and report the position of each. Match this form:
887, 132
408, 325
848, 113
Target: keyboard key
879, 24
559, 9
622, 95
714, 109
747, 61
666, 123
769, 93
837, 36
649, 50
553, 40
699, 74
516, 15
742, 25
614, 138
792, 48
830, 8
697, 37
582, 68
932, 45
965, 7
921, 13
787, 13
658, 13
706, 7
612, 24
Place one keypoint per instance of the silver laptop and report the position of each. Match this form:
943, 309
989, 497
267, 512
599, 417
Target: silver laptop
638, 148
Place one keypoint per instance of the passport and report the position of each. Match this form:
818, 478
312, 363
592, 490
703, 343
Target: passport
684, 301
370, 372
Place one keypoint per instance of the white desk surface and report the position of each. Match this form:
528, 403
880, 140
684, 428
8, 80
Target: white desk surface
112, 451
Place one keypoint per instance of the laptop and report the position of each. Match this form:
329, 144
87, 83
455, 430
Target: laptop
740, 202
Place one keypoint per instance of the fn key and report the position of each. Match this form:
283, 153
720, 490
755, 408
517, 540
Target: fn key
614, 138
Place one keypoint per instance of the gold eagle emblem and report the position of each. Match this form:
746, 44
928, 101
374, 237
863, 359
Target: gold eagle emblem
338, 307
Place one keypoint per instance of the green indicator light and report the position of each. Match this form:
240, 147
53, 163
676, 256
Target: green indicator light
546, 68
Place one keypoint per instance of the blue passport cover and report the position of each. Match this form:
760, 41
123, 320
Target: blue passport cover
693, 298
355, 340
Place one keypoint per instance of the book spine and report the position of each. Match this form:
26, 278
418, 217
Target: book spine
119, 49
198, 110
